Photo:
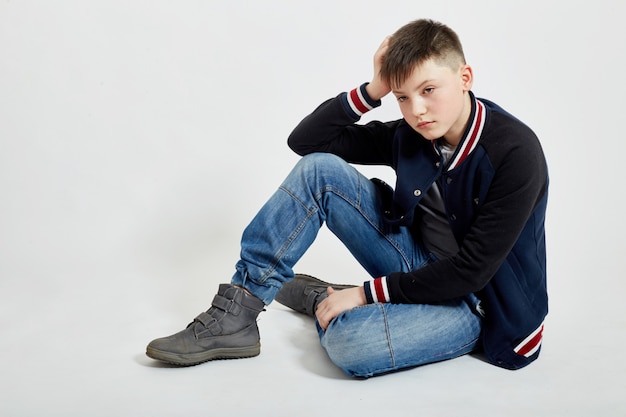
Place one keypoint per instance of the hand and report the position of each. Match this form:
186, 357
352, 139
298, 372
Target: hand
338, 302
377, 88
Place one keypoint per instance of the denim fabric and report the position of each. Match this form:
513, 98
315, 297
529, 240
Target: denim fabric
380, 338
323, 188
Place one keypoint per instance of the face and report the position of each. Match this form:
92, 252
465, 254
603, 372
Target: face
434, 100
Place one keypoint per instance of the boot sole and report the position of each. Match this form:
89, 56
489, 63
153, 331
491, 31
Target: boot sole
190, 359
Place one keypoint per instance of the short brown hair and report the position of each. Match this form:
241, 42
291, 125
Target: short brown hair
415, 43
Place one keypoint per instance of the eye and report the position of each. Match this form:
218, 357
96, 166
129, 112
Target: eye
401, 99
429, 90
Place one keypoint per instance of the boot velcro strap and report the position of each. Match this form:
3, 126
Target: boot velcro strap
229, 306
313, 296
209, 322
205, 319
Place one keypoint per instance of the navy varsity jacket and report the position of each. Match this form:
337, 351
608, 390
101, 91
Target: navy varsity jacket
495, 190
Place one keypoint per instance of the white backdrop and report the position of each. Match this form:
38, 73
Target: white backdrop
138, 138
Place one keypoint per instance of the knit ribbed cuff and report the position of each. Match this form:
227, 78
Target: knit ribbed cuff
376, 291
357, 102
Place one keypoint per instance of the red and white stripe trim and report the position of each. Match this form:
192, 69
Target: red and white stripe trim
531, 344
379, 290
470, 142
358, 103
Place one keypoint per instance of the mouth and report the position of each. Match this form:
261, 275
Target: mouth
423, 125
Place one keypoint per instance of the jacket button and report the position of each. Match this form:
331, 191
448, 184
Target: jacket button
453, 217
449, 180
437, 164
417, 193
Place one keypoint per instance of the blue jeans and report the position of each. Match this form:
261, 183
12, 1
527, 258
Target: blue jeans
372, 339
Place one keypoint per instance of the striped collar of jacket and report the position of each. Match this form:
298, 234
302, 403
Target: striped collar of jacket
471, 137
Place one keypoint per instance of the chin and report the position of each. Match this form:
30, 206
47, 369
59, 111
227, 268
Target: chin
428, 136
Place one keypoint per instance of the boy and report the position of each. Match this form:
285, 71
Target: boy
457, 250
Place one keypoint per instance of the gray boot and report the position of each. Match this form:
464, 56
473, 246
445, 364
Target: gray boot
304, 292
228, 330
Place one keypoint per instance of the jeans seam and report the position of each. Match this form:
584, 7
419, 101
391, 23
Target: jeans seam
388, 336
278, 256
357, 206
292, 195
355, 203
382, 233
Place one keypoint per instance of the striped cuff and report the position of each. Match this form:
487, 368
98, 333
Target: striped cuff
531, 344
376, 291
357, 102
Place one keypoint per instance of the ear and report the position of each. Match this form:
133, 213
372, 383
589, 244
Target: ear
467, 77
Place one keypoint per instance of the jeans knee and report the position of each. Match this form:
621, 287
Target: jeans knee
315, 161
338, 350
347, 351
316, 172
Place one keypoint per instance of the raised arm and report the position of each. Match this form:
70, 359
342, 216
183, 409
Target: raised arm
332, 127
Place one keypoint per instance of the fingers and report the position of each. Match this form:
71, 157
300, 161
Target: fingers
322, 314
330, 307
378, 88
325, 312
379, 56
385, 42
338, 302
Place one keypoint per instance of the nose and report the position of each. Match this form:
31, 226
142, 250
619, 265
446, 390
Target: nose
419, 106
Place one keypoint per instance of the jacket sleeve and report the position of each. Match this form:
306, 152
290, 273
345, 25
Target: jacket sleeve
332, 127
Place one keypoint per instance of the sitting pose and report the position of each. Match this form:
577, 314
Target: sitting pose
455, 251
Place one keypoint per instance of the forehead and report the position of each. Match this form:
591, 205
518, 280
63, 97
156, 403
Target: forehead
430, 70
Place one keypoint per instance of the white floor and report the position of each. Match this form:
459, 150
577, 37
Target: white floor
74, 346
138, 138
